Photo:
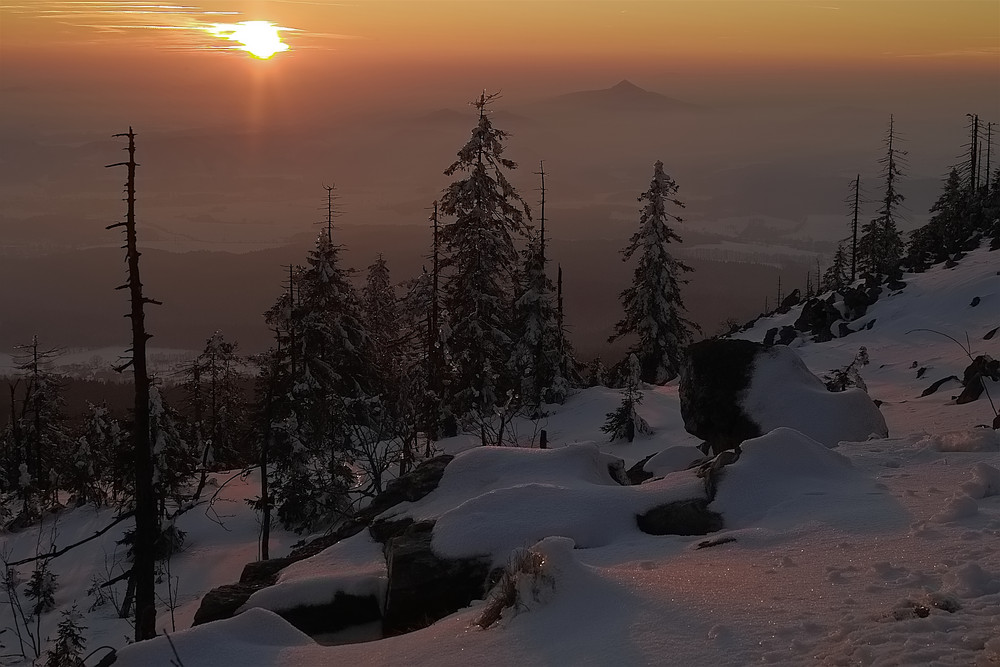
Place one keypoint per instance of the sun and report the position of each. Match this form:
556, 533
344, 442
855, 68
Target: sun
261, 39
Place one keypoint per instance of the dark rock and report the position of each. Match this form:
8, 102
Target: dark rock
937, 385
981, 367
637, 474
975, 301
950, 264
895, 285
683, 517
383, 530
617, 472
817, 316
705, 544
843, 330
786, 335
921, 371
770, 336
412, 486
342, 612
714, 376
222, 602
793, 299
856, 302
423, 587
868, 327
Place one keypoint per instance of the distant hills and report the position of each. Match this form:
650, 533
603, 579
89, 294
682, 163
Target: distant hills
623, 97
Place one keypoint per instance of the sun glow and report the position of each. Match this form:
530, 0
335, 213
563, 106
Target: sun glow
261, 39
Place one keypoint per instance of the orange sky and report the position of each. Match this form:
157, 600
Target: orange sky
832, 30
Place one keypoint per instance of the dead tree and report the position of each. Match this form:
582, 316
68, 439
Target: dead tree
146, 521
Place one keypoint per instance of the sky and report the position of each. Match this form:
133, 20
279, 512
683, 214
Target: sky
786, 103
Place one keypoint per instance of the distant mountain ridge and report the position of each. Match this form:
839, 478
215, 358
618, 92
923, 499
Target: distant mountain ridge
624, 96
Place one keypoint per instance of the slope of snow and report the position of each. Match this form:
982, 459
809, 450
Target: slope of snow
875, 552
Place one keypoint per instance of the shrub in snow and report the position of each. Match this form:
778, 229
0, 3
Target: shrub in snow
41, 588
841, 379
521, 580
69, 645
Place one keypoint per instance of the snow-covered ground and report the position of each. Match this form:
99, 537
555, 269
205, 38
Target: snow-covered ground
884, 552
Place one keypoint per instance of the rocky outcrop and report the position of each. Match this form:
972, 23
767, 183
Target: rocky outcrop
715, 375
424, 587
224, 601
982, 367
733, 390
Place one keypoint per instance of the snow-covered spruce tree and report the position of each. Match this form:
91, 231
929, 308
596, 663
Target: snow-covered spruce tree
215, 404
535, 358
480, 259
654, 310
387, 436
838, 274
625, 422
947, 230
381, 316
322, 385
67, 651
38, 424
97, 470
880, 247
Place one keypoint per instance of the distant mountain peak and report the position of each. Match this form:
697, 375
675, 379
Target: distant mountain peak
627, 86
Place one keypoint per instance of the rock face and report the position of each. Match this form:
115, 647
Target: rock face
222, 602
714, 377
423, 587
733, 390
684, 517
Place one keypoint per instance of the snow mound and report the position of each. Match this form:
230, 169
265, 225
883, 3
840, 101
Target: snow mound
985, 482
970, 440
783, 392
355, 566
255, 638
493, 500
786, 478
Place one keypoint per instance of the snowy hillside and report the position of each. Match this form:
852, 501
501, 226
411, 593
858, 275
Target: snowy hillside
880, 552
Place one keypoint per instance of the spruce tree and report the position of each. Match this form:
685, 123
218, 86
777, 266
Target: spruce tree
880, 247
480, 258
215, 404
67, 651
625, 422
654, 309
837, 276
947, 230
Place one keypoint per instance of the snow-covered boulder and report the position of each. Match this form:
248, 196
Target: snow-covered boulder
783, 392
734, 390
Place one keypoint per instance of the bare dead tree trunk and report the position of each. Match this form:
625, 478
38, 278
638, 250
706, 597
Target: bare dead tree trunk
146, 528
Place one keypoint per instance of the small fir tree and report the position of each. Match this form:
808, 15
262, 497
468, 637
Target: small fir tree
67, 651
838, 275
654, 309
625, 422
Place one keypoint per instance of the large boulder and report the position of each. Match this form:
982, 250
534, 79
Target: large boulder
734, 390
714, 377
425, 587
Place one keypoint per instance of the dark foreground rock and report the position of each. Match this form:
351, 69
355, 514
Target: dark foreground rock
714, 376
735, 390
683, 517
423, 587
223, 601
